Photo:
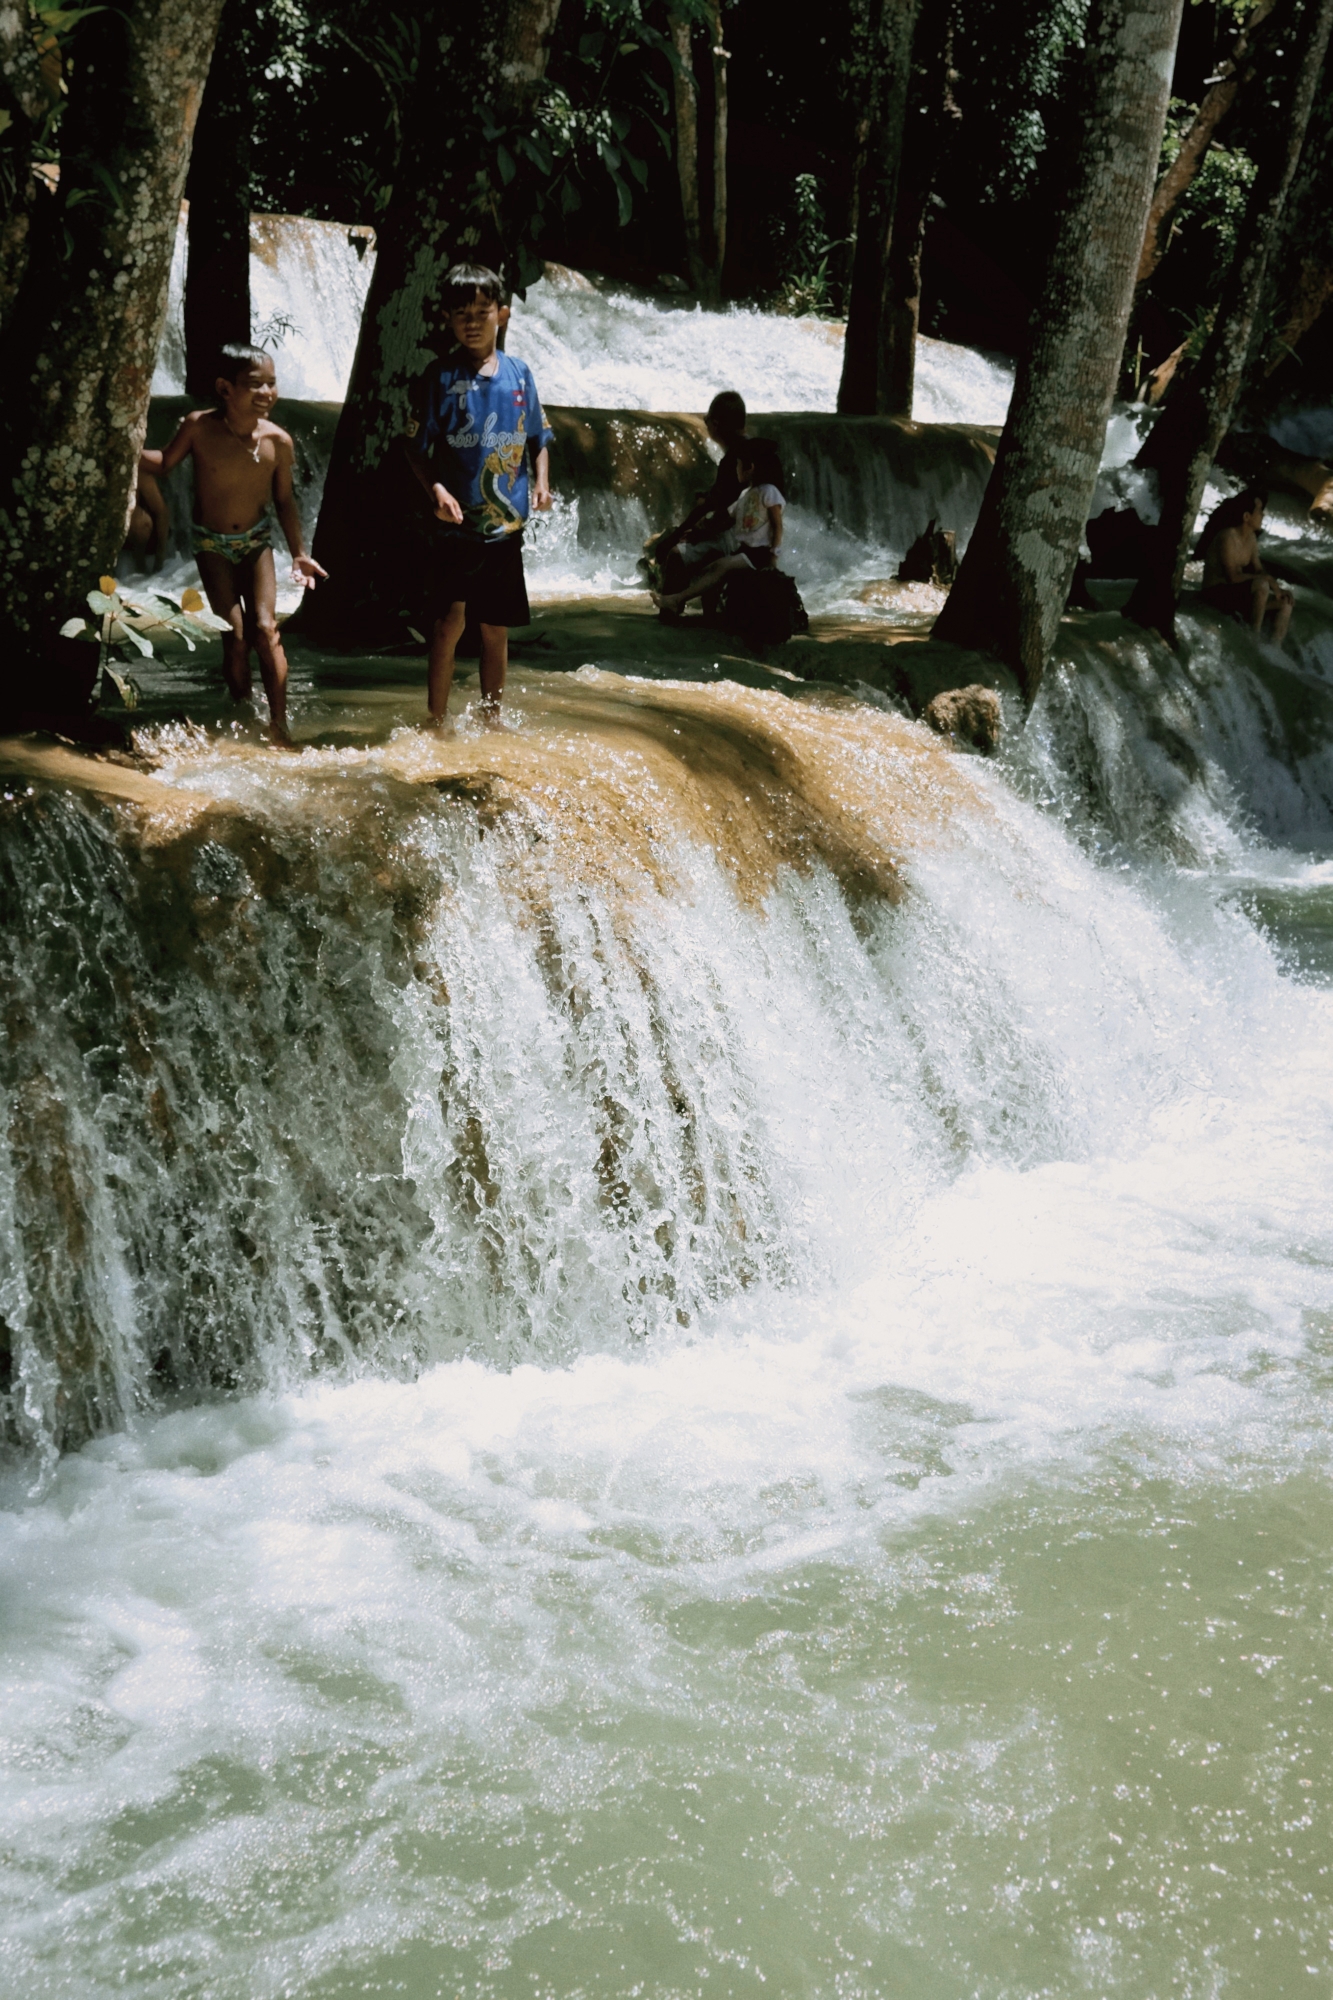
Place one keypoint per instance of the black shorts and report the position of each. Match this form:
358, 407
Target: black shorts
486, 576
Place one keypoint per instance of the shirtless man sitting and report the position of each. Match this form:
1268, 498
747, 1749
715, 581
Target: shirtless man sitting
1234, 578
242, 464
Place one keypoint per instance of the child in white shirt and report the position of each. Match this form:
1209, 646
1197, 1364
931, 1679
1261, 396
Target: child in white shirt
756, 525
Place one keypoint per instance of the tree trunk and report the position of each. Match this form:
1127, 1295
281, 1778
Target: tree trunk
217, 268
1237, 70
1183, 443
1016, 574
440, 210
1302, 268
901, 318
719, 148
78, 355
687, 153
886, 71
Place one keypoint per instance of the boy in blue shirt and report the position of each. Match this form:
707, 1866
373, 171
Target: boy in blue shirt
481, 423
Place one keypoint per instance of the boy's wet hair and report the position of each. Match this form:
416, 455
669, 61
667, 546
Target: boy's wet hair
761, 455
462, 282
237, 356
726, 412
1230, 515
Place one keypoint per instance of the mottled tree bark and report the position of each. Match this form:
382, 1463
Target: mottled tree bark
1183, 443
1217, 101
445, 206
217, 268
1015, 577
77, 357
884, 71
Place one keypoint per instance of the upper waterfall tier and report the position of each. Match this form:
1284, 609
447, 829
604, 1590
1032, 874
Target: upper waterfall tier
601, 347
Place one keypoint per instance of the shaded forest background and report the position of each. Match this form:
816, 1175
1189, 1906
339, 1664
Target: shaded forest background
326, 85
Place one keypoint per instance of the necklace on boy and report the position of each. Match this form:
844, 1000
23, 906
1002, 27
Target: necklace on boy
240, 437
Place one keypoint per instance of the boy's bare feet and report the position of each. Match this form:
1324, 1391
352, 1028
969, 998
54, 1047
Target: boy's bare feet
440, 725
491, 718
668, 604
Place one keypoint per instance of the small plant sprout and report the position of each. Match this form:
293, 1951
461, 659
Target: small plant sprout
139, 623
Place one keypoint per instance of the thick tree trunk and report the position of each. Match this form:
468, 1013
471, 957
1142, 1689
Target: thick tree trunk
1183, 443
78, 356
1016, 574
438, 214
1236, 71
217, 269
886, 72
720, 60
686, 92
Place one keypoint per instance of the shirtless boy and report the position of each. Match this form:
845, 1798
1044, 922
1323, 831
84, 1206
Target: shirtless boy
242, 464
1234, 578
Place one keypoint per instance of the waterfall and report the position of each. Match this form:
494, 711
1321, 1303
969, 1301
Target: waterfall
684, 1348
308, 285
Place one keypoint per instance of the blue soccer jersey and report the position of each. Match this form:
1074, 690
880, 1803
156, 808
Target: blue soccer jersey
486, 421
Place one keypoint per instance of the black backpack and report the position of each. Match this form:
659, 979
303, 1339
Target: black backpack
763, 607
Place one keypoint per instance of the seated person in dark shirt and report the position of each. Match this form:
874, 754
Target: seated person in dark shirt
683, 551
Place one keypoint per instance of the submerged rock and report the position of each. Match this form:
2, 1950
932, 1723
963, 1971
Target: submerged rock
969, 715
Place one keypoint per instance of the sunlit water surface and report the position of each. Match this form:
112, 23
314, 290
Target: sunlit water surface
840, 1505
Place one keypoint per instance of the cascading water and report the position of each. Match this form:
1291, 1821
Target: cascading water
704, 1327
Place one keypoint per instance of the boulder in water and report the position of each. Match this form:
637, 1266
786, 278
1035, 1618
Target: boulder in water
970, 715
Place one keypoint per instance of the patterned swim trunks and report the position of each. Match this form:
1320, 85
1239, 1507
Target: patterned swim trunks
237, 548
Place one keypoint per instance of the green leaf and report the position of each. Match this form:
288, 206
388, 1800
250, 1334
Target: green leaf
98, 601
6, 120
73, 628
570, 198
638, 168
504, 159
627, 48
62, 20
120, 630
625, 197
591, 46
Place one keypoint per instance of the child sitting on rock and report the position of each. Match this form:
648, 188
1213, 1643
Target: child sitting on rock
756, 526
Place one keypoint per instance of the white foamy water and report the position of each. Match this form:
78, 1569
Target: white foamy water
308, 285
607, 349
720, 1445
947, 1604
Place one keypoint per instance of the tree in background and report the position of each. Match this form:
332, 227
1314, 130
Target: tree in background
705, 247
467, 116
1015, 576
1236, 73
78, 352
217, 270
1184, 441
932, 119
880, 75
